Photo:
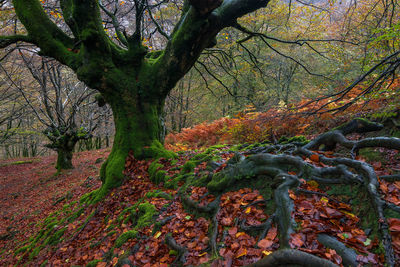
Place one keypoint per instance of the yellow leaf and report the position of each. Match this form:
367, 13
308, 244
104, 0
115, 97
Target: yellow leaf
324, 199
248, 210
241, 252
157, 235
202, 254
350, 214
240, 234
266, 252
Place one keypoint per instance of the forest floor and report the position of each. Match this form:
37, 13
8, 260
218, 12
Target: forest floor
111, 233
30, 190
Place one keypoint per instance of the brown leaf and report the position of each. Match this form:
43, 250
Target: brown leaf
233, 231
226, 221
297, 240
265, 243
272, 233
235, 246
394, 224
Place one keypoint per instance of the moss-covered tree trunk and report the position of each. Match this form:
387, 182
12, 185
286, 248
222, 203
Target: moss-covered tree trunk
64, 159
64, 145
137, 128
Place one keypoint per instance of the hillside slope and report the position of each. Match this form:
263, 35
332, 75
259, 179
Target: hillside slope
234, 205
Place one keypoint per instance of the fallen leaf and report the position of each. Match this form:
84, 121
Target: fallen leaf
242, 252
266, 252
233, 230
265, 243
157, 235
314, 157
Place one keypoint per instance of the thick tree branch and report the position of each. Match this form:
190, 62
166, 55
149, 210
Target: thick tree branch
195, 32
229, 11
51, 40
13, 39
67, 11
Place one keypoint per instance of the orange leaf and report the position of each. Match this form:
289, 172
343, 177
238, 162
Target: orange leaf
240, 234
242, 252
314, 157
235, 246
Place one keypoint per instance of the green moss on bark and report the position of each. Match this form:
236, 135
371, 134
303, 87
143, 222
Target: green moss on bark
188, 167
141, 217
125, 237
64, 159
93, 263
154, 167
158, 193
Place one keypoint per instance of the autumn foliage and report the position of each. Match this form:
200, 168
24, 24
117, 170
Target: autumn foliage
250, 126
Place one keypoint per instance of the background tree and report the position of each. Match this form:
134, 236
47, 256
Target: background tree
57, 101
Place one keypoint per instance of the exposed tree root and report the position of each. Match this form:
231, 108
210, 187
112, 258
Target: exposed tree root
349, 255
83, 226
214, 234
210, 208
276, 168
292, 257
370, 182
391, 178
180, 259
266, 226
285, 209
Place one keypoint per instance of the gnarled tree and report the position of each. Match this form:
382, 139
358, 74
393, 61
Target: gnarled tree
132, 80
58, 102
